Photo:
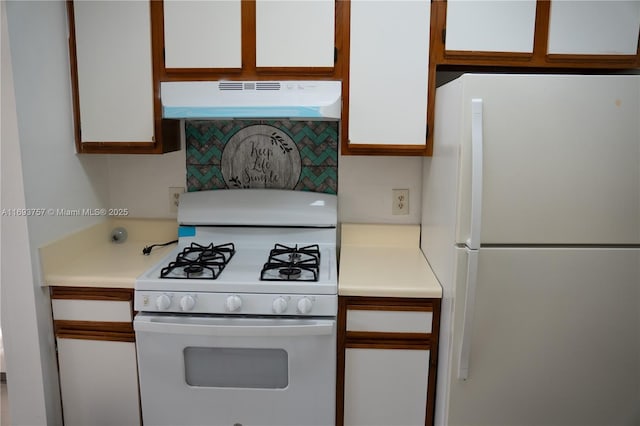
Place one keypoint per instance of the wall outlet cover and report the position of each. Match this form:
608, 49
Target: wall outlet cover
174, 198
400, 202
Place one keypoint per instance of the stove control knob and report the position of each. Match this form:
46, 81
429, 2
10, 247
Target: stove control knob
187, 303
163, 302
304, 305
279, 305
233, 303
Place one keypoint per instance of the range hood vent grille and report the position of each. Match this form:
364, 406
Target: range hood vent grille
230, 85
268, 85
249, 85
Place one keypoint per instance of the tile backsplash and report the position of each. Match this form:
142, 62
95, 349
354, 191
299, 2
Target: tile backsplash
287, 154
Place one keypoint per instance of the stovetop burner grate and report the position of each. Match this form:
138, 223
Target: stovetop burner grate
292, 264
198, 261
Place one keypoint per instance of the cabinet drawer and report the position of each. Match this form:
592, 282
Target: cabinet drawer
91, 310
391, 321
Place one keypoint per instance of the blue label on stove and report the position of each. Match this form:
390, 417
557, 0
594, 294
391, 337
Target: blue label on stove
186, 231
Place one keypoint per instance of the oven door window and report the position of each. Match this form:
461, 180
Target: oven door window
236, 368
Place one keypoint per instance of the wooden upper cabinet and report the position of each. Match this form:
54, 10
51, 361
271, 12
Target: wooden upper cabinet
113, 50
537, 33
594, 27
385, 95
202, 34
490, 26
246, 39
112, 78
294, 33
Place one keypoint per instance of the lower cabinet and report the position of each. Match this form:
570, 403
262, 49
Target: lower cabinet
387, 360
386, 386
98, 382
96, 356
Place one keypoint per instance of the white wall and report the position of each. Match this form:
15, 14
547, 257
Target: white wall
20, 328
19, 319
140, 183
54, 177
365, 184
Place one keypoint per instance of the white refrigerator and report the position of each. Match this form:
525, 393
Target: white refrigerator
531, 223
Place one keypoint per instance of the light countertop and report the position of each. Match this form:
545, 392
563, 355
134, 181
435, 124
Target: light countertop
89, 259
384, 261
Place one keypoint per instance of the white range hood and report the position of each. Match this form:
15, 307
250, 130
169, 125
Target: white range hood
251, 99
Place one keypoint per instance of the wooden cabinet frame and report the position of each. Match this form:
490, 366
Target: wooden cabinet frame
374, 149
538, 58
97, 331
166, 132
249, 70
115, 331
378, 340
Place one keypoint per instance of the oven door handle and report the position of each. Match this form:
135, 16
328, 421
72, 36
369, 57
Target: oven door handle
215, 327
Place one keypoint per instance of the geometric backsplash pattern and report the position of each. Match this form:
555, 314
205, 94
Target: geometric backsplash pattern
299, 155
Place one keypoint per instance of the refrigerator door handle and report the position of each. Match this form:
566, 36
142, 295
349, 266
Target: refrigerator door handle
476, 174
467, 322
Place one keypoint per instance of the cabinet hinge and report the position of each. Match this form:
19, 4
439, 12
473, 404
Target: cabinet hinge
335, 55
427, 132
444, 35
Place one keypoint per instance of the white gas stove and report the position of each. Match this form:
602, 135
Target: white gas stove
238, 324
251, 252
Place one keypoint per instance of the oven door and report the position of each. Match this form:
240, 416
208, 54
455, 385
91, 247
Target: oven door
218, 370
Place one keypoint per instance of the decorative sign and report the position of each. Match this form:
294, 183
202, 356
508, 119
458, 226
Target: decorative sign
261, 156
316, 143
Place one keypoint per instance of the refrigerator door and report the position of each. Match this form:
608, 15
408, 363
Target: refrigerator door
555, 339
561, 158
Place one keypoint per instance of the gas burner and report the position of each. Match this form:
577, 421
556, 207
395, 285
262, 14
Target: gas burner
198, 261
292, 264
193, 269
290, 273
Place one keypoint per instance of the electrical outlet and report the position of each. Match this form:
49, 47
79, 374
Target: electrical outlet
400, 201
174, 198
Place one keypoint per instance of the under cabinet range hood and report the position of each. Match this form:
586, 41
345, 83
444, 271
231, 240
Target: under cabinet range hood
313, 99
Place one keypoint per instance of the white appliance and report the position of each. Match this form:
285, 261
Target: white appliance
311, 99
237, 326
531, 223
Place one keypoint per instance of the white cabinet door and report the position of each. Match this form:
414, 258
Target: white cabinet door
490, 26
594, 27
202, 34
294, 33
113, 49
388, 72
385, 387
98, 382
